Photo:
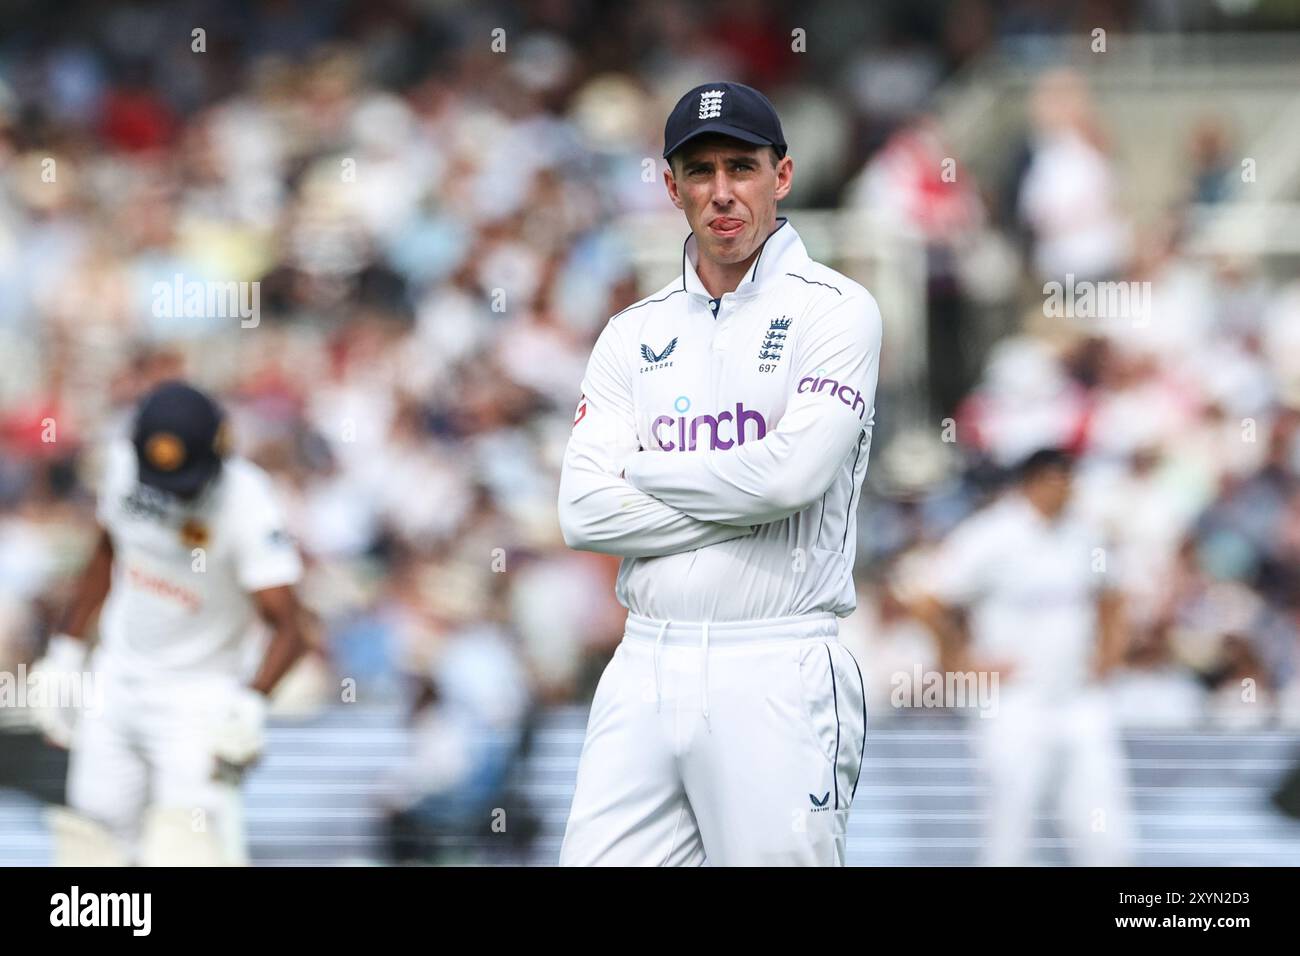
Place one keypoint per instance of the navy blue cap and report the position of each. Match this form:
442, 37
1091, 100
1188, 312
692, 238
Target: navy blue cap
733, 109
179, 439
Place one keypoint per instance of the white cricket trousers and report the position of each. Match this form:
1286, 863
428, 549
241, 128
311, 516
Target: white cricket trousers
739, 743
1064, 754
149, 747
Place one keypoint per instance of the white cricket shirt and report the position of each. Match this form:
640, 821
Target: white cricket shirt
183, 575
755, 427
1031, 586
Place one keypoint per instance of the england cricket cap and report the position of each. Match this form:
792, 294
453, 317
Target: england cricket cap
179, 439
732, 109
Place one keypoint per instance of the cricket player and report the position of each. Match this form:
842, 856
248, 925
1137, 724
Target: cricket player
191, 551
1040, 612
718, 447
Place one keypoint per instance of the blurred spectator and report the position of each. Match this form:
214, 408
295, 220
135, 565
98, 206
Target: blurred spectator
467, 729
1068, 198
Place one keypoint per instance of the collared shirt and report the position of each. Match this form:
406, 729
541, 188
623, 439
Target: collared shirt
722, 455
1031, 586
183, 574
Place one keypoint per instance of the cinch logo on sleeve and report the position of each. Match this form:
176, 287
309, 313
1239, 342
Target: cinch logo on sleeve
725, 429
102, 909
847, 394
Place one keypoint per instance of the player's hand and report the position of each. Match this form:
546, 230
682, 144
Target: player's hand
240, 728
64, 659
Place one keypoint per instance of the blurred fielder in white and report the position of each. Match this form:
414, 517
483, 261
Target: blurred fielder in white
191, 551
1041, 613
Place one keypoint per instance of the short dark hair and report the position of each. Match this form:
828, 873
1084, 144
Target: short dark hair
1045, 459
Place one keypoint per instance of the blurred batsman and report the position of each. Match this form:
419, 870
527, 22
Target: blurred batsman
191, 550
1039, 612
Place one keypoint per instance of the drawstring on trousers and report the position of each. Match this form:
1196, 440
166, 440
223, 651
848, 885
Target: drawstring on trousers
704, 668
659, 642
704, 673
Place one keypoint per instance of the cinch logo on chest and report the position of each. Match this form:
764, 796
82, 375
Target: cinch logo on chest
680, 433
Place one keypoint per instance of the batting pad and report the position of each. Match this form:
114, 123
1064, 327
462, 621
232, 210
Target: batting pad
80, 841
173, 837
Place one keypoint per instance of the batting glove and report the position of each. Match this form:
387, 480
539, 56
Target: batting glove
240, 727
51, 678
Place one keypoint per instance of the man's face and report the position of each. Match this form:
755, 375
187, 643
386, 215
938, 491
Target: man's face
729, 190
1050, 490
